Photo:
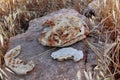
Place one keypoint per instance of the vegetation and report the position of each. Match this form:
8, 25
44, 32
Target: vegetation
108, 53
16, 14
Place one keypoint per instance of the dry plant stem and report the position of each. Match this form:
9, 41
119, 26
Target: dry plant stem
43, 53
102, 60
100, 23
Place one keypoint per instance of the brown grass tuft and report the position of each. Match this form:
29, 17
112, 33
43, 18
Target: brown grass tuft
108, 54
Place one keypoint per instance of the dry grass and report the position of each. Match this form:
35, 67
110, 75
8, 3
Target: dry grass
107, 48
112, 26
16, 14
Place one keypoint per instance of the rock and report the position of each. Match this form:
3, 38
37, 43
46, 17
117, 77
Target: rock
94, 9
67, 53
63, 30
46, 68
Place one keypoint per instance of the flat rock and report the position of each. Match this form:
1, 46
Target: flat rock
46, 68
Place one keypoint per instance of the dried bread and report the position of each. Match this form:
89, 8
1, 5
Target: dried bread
67, 53
63, 30
16, 64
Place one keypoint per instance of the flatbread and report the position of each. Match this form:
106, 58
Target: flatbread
63, 31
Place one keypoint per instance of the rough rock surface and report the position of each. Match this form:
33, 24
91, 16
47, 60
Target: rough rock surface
46, 68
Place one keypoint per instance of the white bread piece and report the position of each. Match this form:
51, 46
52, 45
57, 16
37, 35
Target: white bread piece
68, 53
